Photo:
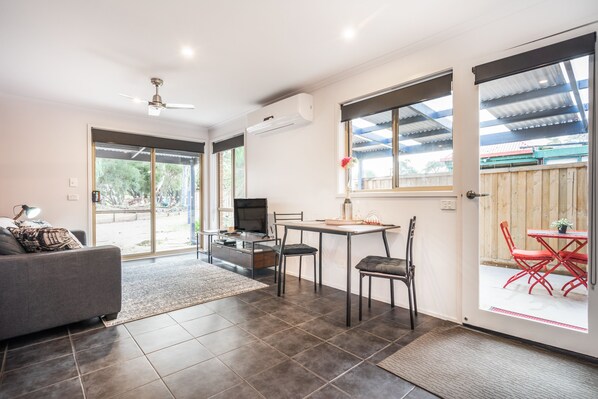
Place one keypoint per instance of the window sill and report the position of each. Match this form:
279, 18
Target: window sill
402, 194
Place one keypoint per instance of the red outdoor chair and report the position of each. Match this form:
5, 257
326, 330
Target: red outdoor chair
530, 262
581, 276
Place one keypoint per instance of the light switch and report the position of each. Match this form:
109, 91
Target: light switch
72, 197
73, 182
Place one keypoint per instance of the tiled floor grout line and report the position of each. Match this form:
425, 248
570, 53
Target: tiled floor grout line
68, 330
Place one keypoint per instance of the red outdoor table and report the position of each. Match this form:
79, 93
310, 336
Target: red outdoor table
576, 240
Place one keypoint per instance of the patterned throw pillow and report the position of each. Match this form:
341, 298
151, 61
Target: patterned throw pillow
45, 239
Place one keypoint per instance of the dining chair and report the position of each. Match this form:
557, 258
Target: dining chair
529, 261
392, 269
581, 276
291, 250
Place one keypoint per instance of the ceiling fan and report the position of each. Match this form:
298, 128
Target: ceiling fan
156, 105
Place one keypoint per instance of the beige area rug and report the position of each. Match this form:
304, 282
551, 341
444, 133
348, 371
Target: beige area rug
155, 288
461, 363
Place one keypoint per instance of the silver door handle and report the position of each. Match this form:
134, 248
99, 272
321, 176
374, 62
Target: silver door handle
472, 194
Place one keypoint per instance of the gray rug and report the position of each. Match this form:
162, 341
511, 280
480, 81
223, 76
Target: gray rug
154, 288
461, 363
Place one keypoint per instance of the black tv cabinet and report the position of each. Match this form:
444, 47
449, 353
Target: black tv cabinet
247, 252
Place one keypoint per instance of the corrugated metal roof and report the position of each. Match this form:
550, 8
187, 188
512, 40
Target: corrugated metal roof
536, 99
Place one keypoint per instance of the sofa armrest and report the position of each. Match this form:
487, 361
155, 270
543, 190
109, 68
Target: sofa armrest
81, 236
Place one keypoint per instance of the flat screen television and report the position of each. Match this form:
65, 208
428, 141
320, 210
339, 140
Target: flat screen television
251, 215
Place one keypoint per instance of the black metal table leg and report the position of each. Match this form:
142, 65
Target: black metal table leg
385, 243
284, 239
348, 279
210, 248
197, 245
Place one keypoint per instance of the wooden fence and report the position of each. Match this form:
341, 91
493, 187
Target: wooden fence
529, 197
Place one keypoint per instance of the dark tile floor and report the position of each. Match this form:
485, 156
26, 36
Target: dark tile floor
253, 345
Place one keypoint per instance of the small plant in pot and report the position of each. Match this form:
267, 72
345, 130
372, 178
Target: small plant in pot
561, 225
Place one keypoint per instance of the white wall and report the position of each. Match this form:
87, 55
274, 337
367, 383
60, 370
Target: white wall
299, 169
43, 144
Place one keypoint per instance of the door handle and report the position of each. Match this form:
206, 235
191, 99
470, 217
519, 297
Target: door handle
472, 194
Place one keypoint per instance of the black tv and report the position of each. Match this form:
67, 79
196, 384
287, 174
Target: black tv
251, 215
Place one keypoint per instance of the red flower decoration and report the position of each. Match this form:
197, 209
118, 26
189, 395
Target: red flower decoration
348, 162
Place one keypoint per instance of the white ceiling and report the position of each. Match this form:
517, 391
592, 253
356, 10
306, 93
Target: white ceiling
247, 53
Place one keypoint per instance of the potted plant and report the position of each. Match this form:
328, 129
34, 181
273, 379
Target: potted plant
562, 225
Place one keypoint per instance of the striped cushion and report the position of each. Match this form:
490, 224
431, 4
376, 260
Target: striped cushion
296, 249
381, 264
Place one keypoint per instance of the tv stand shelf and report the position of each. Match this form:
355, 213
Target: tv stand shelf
246, 251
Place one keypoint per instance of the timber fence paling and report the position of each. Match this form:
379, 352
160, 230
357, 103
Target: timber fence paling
529, 197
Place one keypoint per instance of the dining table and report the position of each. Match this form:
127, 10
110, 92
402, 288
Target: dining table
333, 228
575, 241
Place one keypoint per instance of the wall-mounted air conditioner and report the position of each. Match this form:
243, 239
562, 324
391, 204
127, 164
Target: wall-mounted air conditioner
282, 115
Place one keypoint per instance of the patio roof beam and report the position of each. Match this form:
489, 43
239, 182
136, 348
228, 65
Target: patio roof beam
541, 132
534, 115
532, 95
576, 95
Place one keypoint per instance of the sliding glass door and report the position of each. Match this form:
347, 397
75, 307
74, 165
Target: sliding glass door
150, 198
123, 176
177, 194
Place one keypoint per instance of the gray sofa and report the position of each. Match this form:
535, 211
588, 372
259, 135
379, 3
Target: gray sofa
50, 289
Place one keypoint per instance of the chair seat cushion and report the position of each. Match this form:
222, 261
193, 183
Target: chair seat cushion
296, 249
575, 257
381, 264
532, 255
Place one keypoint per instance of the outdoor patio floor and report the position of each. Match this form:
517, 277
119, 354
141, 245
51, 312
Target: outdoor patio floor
568, 312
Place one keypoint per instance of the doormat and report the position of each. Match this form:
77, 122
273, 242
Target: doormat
460, 363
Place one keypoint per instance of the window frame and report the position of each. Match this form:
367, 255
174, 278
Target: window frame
395, 125
219, 159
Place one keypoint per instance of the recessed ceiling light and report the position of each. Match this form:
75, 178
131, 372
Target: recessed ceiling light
187, 52
349, 33
543, 81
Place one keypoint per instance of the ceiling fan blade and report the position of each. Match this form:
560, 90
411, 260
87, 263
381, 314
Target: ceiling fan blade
136, 100
153, 111
180, 106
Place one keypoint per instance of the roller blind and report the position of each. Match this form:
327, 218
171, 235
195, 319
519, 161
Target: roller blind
429, 89
228, 144
109, 136
566, 50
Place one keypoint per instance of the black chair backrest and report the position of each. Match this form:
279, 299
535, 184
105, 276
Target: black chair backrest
409, 247
287, 217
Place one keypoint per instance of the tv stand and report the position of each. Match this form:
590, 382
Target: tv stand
247, 251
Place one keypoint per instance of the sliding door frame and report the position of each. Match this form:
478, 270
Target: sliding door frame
91, 178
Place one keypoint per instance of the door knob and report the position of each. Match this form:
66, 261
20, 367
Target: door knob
472, 194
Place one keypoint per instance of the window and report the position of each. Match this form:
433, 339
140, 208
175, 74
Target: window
402, 139
231, 177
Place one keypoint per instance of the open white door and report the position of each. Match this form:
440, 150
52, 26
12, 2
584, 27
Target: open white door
534, 153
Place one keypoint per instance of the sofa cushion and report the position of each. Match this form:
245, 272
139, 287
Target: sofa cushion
9, 244
7, 222
45, 239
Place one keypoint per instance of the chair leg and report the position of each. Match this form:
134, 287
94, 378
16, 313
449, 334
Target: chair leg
275, 267
370, 292
392, 293
315, 276
360, 294
284, 274
300, 259
410, 306
414, 297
